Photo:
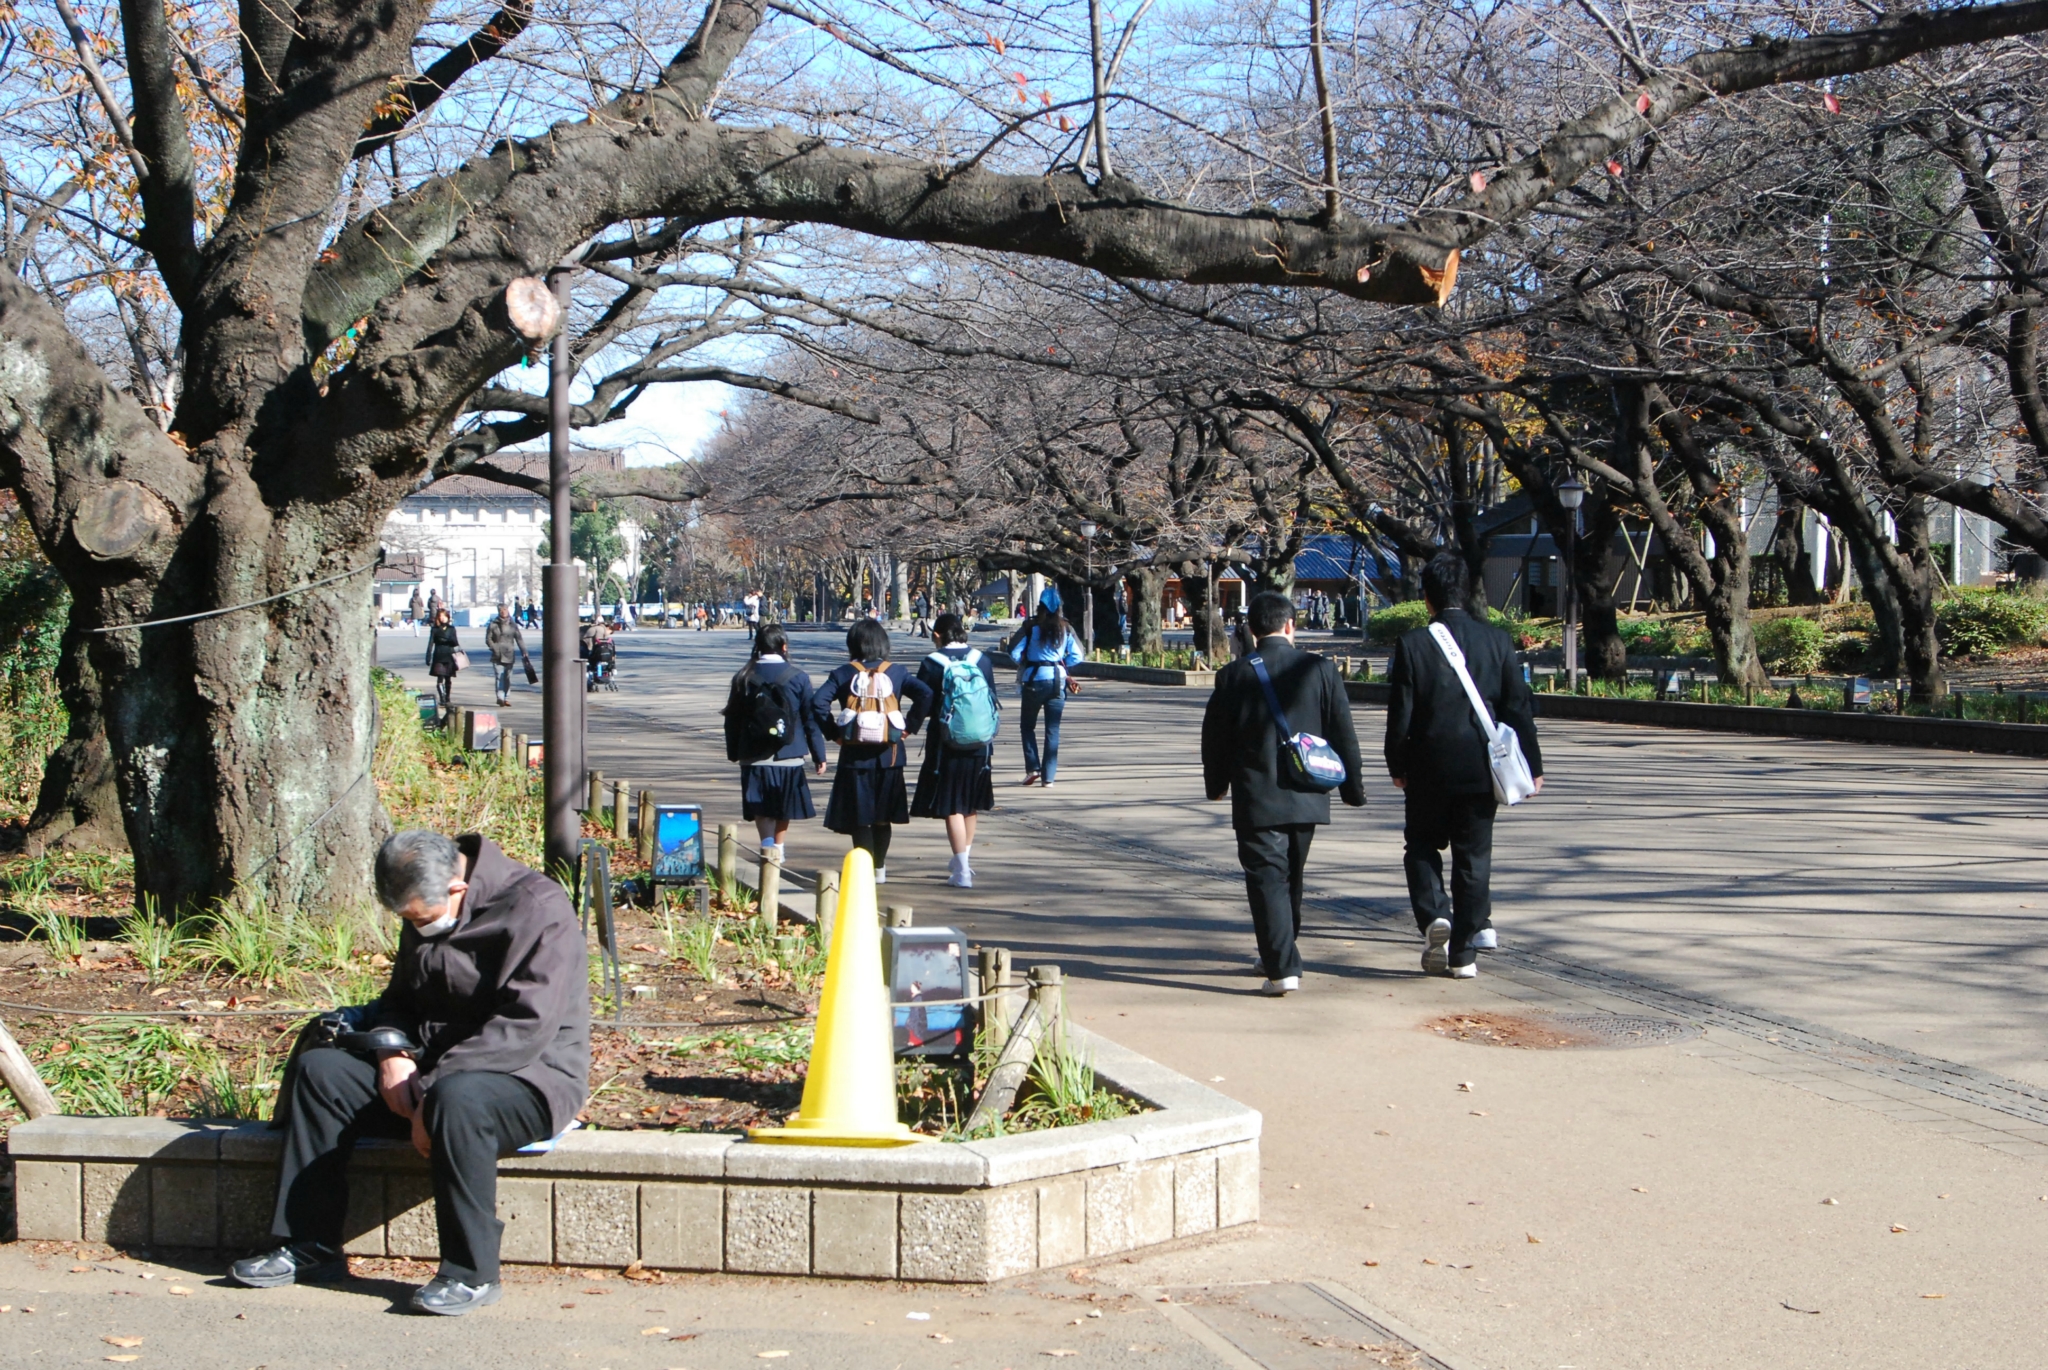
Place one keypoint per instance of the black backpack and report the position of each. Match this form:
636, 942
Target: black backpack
763, 717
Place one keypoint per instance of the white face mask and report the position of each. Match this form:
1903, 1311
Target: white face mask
435, 928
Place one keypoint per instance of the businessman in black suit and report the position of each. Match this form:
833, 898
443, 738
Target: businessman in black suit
1436, 753
1276, 815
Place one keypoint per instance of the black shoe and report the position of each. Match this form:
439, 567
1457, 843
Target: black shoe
308, 1261
453, 1298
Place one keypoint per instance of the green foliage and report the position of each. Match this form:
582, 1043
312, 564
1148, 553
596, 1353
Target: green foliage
1064, 1093
154, 943
33, 608
119, 1068
1790, 646
593, 539
1980, 622
1387, 625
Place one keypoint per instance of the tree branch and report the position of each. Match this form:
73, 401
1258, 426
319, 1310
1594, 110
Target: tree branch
169, 195
418, 94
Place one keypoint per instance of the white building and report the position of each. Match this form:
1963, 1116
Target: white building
476, 542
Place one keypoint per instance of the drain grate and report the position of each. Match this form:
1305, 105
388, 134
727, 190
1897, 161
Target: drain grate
1561, 1031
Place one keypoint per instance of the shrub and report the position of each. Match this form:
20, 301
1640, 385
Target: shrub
33, 607
1790, 646
1979, 622
1648, 637
1390, 623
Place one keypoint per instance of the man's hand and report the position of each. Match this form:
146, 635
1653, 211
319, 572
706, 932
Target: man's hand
421, 1142
1539, 786
398, 1082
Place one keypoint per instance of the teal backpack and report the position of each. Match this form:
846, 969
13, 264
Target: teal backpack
966, 705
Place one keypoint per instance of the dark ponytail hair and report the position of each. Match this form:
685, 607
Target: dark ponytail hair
771, 640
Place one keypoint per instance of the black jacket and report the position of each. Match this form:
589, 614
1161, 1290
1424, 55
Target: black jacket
442, 644
913, 698
1433, 738
1241, 742
809, 738
507, 989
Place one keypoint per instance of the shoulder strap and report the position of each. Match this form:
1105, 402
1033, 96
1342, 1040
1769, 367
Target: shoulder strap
1272, 696
973, 657
1451, 653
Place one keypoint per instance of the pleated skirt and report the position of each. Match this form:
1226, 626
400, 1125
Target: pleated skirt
951, 782
864, 797
779, 792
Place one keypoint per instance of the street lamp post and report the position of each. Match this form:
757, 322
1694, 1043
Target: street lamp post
1571, 493
1088, 592
562, 691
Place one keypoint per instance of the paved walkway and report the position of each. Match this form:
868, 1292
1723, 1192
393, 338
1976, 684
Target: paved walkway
1852, 925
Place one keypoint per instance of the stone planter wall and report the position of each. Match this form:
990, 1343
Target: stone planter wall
967, 1212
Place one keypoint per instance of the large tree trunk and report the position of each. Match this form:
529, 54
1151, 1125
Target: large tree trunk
1918, 581
1888, 640
1148, 588
1197, 588
79, 806
1599, 624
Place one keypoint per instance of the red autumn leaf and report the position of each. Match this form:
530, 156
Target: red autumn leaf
1834, 105
1018, 77
1066, 124
1613, 167
1052, 351
1643, 103
996, 43
1045, 98
1478, 179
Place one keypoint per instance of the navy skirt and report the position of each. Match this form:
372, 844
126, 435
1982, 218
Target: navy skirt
779, 792
867, 796
951, 782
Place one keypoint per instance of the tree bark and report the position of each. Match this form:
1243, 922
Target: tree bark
1147, 588
1606, 655
79, 805
1197, 588
1881, 594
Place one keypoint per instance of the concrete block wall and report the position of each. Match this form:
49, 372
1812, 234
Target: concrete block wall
971, 1212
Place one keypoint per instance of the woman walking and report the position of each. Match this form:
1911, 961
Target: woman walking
1044, 648
445, 658
863, 705
770, 730
956, 781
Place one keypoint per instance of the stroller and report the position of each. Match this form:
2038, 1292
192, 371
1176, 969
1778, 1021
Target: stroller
601, 666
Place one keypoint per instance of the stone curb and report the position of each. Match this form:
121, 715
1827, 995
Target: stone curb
966, 1212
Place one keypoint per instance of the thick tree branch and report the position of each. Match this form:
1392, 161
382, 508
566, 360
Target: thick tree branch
169, 196
418, 94
669, 484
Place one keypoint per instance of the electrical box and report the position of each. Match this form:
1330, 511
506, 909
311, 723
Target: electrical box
928, 966
480, 732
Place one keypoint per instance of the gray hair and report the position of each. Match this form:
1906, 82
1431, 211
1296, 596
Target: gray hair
416, 864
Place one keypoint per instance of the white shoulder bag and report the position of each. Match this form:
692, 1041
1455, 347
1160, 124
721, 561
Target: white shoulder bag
1512, 782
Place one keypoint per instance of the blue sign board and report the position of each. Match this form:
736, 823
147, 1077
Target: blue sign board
678, 843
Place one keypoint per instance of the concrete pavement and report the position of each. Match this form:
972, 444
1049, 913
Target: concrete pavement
1852, 924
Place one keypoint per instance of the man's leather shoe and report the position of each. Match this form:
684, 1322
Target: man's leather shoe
307, 1261
453, 1298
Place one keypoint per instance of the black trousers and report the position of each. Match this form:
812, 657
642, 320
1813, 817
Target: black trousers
1464, 823
473, 1117
1273, 859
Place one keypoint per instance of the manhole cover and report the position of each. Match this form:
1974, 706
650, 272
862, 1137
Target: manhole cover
1556, 1031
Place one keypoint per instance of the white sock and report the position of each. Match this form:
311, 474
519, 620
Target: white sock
962, 857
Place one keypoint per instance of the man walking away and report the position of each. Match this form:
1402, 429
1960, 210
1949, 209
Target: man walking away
1273, 809
1437, 755
492, 988
506, 646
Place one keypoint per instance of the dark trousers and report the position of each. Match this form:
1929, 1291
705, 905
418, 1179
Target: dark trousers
1050, 698
1464, 823
1273, 859
472, 1117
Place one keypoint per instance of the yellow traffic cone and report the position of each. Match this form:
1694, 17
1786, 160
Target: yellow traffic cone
850, 1092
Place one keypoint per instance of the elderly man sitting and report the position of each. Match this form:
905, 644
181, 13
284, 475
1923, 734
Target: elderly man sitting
491, 986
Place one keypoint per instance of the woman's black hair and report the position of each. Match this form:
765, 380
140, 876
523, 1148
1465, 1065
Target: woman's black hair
770, 641
947, 629
1050, 622
867, 640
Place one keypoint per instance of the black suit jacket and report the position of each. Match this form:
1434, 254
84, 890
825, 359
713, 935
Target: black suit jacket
1241, 743
1433, 739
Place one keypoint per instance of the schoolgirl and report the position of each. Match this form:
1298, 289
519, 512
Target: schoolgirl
956, 782
870, 706
770, 730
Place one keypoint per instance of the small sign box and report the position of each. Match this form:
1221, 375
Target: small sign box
1856, 693
429, 707
536, 755
480, 731
678, 843
929, 964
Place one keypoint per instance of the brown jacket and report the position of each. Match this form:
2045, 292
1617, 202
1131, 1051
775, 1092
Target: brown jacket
507, 989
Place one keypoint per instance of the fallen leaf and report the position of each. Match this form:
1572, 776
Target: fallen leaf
1832, 1203
1478, 180
1639, 1189
1643, 103
1381, 1132
940, 1337
1788, 1307
1372, 1262
1479, 1113
1294, 1186
568, 1305
1427, 1261
1941, 1196
1465, 1087
1898, 1227
1834, 105
1534, 1240
770, 1355
692, 1336
918, 1317
122, 1341
180, 1289
596, 1291
81, 1270
6, 1308
1934, 1296
1062, 1351
654, 1331
123, 1359
1613, 168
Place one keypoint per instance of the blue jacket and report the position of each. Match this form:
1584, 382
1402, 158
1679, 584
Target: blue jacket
916, 703
1040, 660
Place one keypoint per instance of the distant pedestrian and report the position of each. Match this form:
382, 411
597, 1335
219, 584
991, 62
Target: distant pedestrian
506, 646
1044, 648
770, 730
869, 705
413, 609
752, 603
1260, 707
1437, 755
956, 781
445, 658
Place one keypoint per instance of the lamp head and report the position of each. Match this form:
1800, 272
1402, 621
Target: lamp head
1571, 492
1088, 529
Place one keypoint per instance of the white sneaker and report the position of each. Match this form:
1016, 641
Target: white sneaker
1436, 956
881, 875
1484, 940
961, 879
1465, 972
1286, 984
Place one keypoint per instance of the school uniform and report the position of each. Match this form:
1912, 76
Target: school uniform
778, 787
868, 789
953, 780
